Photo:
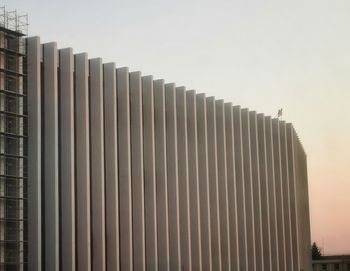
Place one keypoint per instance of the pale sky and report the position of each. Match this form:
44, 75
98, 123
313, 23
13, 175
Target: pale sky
263, 55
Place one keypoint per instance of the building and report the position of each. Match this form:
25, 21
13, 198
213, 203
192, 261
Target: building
13, 142
332, 263
130, 173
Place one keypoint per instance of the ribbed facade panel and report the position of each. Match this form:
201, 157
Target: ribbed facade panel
82, 163
50, 165
303, 204
124, 167
271, 195
256, 187
204, 182
293, 200
67, 161
161, 176
173, 183
222, 185
150, 184
279, 194
213, 185
248, 190
240, 190
35, 247
130, 173
286, 197
137, 172
231, 187
111, 167
194, 196
97, 166
184, 201
264, 193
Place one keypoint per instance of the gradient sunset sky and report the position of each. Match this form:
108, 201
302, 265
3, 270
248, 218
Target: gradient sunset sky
264, 55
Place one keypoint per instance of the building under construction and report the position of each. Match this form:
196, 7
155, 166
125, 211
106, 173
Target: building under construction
104, 169
13, 142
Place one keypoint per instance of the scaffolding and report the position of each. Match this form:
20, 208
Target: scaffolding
13, 141
12, 21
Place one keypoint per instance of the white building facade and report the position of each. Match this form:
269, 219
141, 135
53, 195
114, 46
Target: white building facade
130, 173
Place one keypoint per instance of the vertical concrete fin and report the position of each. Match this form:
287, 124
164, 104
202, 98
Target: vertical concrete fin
161, 175
241, 205
67, 162
279, 194
51, 206
34, 155
213, 184
272, 195
111, 166
124, 166
82, 166
204, 181
137, 179
172, 171
149, 173
286, 197
264, 188
298, 195
303, 202
293, 200
98, 167
231, 187
195, 219
182, 149
256, 187
249, 204
222, 185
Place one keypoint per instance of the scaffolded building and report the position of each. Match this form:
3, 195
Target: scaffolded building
13, 142
130, 173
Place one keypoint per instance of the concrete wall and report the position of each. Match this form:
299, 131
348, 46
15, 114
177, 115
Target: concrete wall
130, 173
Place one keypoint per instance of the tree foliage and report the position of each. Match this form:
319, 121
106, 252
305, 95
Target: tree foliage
316, 252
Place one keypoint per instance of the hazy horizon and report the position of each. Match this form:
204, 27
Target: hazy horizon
263, 55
